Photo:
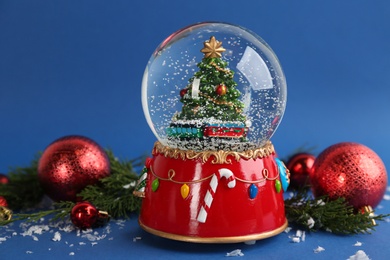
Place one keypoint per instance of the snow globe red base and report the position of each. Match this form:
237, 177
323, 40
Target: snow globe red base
213, 94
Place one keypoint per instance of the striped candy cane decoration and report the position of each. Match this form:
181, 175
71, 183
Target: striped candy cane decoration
208, 198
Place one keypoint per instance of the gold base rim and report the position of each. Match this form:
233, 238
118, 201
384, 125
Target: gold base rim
218, 156
209, 240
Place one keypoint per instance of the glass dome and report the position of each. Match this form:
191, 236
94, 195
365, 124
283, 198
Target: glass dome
213, 86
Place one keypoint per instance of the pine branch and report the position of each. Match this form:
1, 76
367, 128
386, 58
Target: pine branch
23, 189
114, 193
60, 211
335, 216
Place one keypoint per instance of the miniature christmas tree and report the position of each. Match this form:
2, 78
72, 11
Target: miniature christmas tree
211, 92
212, 115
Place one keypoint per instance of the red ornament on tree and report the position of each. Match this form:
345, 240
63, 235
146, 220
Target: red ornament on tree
69, 164
221, 89
300, 166
183, 92
352, 171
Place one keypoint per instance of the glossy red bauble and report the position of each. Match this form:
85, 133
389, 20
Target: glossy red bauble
300, 166
3, 179
69, 164
221, 89
84, 215
351, 171
3, 202
183, 92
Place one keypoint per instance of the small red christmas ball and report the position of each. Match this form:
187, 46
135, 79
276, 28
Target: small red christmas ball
3, 179
300, 166
221, 89
69, 164
3, 202
183, 92
351, 171
84, 215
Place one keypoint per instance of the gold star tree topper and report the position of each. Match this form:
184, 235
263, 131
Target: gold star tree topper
212, 48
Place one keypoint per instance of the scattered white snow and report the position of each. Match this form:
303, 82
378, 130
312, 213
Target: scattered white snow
236, 252
310, 222
57, 236
296, 239
299, 236
318, 249
359, 255
136, 238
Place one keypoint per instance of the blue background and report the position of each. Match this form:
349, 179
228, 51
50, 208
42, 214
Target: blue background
75, 67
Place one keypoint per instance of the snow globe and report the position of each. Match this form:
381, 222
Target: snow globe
213, 94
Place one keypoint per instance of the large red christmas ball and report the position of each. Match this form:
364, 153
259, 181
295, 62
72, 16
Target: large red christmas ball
352, 171
300, 166
69, 164
84, 215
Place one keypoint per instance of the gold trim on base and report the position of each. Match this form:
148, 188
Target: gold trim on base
218, 157
233, 239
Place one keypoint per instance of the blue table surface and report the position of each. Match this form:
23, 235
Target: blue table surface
124, 239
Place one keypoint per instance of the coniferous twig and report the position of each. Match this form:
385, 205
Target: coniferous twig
113, 194
60, 211
23, 189
335, 216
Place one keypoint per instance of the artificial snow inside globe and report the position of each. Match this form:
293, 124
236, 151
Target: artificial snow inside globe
213, 94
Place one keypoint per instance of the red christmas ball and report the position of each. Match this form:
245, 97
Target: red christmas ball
3, 202
351, 171
300, 166
84, 215
183, 92
3, 179
69, 164
221, 89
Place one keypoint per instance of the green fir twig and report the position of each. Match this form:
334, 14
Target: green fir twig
23, 190
113, 194
60, 211
335, 216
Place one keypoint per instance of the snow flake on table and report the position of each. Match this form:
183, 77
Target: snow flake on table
359, 255
236, 252
319, 249
299, 236
57, 236
56, 231
135, 239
